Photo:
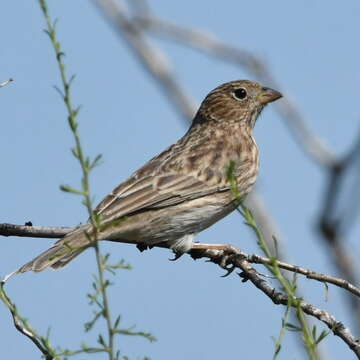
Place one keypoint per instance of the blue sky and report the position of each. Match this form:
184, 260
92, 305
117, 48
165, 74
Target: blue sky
311, 48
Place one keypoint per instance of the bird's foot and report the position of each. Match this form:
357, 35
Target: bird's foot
229, 269
143, 247
177, 255
244, 276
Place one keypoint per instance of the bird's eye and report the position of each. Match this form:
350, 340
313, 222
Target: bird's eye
240, 93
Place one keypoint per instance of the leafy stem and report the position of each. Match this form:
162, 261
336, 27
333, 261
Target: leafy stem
100, 296
289, 287
86, 165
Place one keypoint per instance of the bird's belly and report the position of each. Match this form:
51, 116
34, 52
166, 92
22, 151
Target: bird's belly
174, 222
196, 219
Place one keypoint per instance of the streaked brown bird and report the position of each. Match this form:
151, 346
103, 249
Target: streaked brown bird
185, 189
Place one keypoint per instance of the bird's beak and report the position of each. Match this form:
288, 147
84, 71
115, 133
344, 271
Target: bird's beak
268, 95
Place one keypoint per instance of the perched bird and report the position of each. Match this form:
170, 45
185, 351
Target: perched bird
184, 189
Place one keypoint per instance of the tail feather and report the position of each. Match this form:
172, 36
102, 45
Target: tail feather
66, 259
63, 251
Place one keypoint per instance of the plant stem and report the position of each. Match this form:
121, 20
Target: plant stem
85, 167
105, 302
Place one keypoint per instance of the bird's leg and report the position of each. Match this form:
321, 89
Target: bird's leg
182, 245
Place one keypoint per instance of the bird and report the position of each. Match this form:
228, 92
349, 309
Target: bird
186, 188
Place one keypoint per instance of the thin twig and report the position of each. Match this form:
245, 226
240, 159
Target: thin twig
149, 56
230, 256
23, 326
4, 83
343, 260
339, 210
198, 251
277, 297
51, 232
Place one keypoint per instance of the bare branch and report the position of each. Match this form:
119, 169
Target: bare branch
24, 327
339, 211
4, 83
154, 61
229, 257
233, 254
335, 326
342, 259
34, 231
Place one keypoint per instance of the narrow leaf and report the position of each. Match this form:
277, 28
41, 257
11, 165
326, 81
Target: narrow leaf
72, 190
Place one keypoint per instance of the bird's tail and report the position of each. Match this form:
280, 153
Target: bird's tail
63, 251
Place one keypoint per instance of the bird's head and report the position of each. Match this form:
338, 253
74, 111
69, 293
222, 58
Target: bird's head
235, 101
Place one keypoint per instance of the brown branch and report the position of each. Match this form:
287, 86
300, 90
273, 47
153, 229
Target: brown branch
51, 232
310, 274
342, 259
333, 222
335, 326
229, 257
233, 254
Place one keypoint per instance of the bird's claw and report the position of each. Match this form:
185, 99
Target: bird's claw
224, 264
177, 255
244, 276
142, 247
229, 270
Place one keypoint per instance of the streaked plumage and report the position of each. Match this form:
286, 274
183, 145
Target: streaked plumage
184, 189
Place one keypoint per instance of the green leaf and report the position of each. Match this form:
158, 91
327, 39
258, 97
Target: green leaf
326, 291
313, 332
70, 189
90, 324
292, 327
117, 322
276, 246
60, 92
96, 162
72, 78
277, 349
322, 336
101, 340
75, 152
131, 332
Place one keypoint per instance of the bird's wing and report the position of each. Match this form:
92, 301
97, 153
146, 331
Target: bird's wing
155, 191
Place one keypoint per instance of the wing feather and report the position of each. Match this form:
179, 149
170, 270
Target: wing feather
153, 192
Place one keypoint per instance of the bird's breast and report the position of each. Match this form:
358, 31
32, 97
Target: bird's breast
248, 166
